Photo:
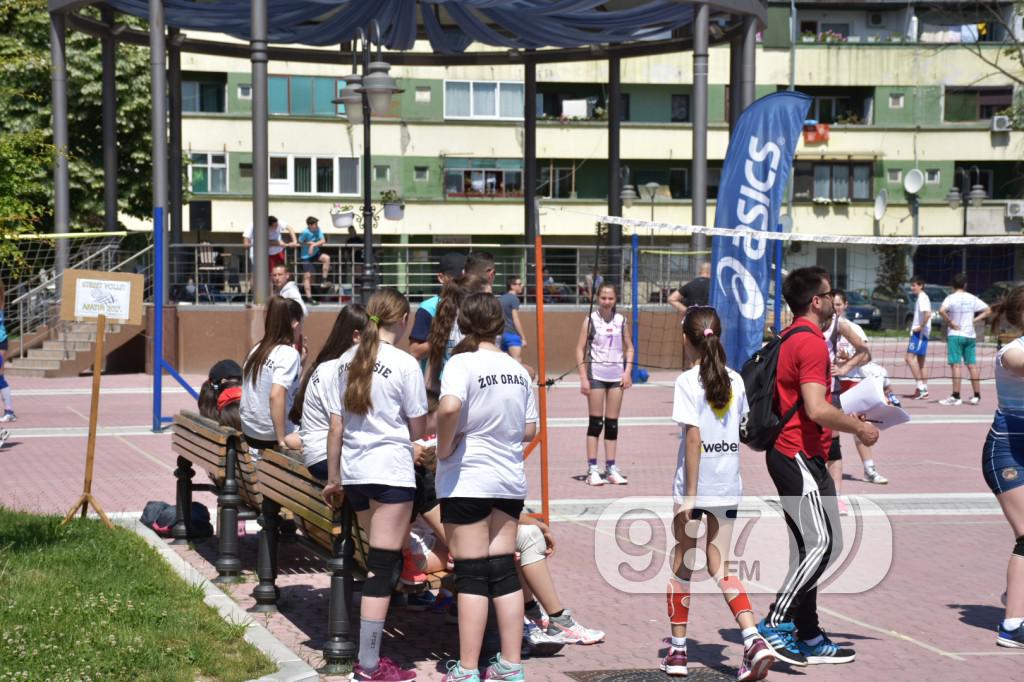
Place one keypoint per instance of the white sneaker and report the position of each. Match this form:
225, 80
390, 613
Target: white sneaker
594, 477
569, 631
843, 509
951, 401
614, 476
872, 476
4, 435
974, 401
9, 416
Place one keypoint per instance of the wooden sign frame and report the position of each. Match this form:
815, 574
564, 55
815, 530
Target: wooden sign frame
75, 281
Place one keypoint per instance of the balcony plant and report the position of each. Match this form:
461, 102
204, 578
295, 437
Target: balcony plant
342, 216
808, 37
394, 208
831, 36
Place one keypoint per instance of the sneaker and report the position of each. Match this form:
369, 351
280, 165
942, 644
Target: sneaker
387, 671
4, 435
974, 401
594, 477
757, 659
782, 640
894, 399
457, 674
826, 651
411, 573
500, 670
614, 476
569, 631
419, 602
1013, 639
675, 662
539, 618
951, 401
872, 476
920, 394
537, 642
9, 416
843, 509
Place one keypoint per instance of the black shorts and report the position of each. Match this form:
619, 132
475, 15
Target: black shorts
607, 385
465, 510
426, 493
720, 513
359, 496
259, 444
309, 266
835, 453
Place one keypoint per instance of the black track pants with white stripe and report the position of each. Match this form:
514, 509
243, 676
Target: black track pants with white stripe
808, 498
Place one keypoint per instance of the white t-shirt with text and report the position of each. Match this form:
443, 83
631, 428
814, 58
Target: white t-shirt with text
497, 403
273, 237
718, 481
961, 308
923, 306
282, 367
316, 419
375, 446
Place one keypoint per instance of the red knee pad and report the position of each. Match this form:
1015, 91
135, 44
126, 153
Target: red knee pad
677, 597
735, 594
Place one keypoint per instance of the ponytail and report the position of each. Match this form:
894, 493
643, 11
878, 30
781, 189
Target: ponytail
453, 294
703, 329
385, 308
480, 320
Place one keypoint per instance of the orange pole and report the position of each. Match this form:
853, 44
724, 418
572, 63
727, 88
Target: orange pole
542, 379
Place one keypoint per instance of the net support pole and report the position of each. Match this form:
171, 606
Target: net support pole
542, 383
614, 169
109, 58
175, 169
635, 331
700, 126
258, 58
61, 176
158, 73
530, 157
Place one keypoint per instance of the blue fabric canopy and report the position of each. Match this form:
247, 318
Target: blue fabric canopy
502, 23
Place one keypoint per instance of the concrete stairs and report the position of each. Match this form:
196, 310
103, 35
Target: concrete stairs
70, 353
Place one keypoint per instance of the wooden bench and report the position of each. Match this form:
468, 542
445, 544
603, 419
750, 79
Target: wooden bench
223, 454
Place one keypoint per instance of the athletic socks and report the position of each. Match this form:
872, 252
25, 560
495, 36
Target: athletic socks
555, 615
956, 394
921, 386
869, 464
680, 642
1012, 623
5, 393
749, 635
532, 610
977, 395
592, 463
370, 632
609, 464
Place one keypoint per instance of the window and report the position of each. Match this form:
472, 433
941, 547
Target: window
834, 260
244, 91
555, 183
479, 177
483, 99
421, 174
836, 109
306, 174
202, 97
680, 108
679, 183
895, 100
840, 181
894, 176
382, 173
422, 94
932, 176
976, 104
305, 96
208, 173
245, 170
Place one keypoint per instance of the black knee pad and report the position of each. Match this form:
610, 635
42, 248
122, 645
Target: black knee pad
384, 567
471, 576
1018, 548
502, 577
594, 427
611, 429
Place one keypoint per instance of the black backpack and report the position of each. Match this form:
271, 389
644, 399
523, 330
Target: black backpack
762, 425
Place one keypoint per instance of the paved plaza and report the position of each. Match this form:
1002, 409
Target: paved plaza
932, 616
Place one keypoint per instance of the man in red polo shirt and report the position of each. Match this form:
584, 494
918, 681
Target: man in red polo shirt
797, 465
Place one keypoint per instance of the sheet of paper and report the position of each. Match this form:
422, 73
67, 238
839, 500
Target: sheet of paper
868, 398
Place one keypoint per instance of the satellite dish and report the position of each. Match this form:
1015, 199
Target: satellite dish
913, 181
881, 203
786, 223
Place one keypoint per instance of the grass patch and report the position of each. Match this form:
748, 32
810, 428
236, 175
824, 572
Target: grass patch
83, 602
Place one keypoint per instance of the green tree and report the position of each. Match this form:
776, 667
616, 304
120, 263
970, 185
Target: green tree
26, 123
892, 266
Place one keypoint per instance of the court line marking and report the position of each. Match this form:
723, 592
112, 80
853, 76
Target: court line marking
151, 458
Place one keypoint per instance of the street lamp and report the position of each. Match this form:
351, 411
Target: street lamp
627, 194
974, 197
363, 96
652, 191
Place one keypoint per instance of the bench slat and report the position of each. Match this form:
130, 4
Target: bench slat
296, 499
199, 441
200, 459
211, 430
285, 462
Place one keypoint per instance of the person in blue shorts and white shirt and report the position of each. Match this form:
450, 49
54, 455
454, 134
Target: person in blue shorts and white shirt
920, 328
513, 340
961, 311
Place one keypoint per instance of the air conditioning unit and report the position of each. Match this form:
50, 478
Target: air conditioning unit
1015, 209
876, 20
1001, 124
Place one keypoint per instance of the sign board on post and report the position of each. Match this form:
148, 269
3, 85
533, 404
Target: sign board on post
88, 294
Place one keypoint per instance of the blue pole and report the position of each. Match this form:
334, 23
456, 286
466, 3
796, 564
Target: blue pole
779, 251
635, 277
158, 320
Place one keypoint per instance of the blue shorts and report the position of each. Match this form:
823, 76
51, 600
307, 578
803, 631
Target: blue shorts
918, 344
1002, 457
510, 340
359, 496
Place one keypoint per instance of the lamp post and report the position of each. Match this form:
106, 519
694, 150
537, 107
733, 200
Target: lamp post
974, 197
652, 191
627, 195
364, 95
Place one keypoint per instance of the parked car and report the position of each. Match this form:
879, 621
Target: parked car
860, 311
897, 308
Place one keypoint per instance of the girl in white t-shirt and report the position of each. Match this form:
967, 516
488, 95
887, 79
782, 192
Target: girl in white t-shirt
604, 358
487, 411
378, 409
710, 402
270, 377
309, 410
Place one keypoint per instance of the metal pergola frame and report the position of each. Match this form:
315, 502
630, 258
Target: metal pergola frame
166, 44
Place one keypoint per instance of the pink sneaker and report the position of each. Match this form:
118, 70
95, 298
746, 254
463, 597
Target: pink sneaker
757, 659
387, 671
675, 663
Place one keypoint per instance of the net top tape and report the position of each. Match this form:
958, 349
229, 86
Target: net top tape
795, 236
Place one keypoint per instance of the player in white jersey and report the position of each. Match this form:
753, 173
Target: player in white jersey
961, 311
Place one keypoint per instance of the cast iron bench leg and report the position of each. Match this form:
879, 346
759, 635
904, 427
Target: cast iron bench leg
182, 529
229, 566
266, 593
339, 649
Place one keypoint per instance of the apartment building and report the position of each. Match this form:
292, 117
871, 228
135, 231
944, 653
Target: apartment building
898, 87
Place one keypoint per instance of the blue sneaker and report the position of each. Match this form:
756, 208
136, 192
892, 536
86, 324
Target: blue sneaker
825, 651
782, 640
1011, 638
419, 602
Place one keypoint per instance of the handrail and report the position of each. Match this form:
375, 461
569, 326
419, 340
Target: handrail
48, 282
131, 258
